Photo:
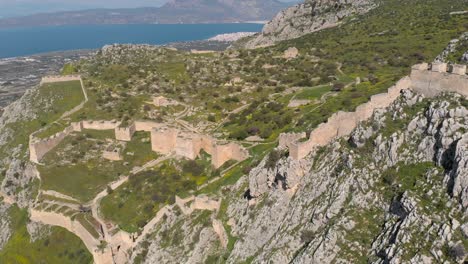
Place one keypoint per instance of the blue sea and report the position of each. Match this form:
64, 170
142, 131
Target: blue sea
27, 41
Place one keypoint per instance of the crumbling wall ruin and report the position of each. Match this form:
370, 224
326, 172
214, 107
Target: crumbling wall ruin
429, 81
226, 152
189, 145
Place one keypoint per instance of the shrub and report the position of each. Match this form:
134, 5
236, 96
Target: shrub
338, 87
273, 158
307, 236
193, 168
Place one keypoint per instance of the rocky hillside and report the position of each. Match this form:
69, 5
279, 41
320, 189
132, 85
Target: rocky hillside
396, 192
175, 11
308, 17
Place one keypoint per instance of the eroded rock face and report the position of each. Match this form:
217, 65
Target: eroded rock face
344, 204
5, 231
311, 16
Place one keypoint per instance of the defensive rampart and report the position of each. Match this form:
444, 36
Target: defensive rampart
125, 133
59, 78
39, 147
91, 243
225, 152
439, 78
189, 145
427, 80
100, 125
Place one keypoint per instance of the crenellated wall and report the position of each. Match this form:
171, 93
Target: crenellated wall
440, 78
100, 125
427, 80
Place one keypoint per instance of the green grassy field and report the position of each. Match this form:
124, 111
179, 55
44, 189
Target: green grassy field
313, 92
71, 95
83, 179
61, 247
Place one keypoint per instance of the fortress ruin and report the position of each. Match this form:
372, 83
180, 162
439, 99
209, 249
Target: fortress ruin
167, 140
164, 140
429, 80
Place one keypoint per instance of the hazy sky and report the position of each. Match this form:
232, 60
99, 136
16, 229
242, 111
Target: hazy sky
10, 8
24, 7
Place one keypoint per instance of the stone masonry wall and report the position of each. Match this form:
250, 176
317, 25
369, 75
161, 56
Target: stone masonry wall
55, 219
39, 147
428, 81
125, 133
146, 125
286, 139
59, 78
433, 82
230, 151
100, 125
189, 145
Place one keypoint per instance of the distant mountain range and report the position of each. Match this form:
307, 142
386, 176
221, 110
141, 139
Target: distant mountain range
173, 12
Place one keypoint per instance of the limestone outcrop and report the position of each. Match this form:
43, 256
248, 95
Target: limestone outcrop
308, 17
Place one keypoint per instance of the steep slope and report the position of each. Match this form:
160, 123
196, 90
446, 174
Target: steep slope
311, 16
393, 193
175, 11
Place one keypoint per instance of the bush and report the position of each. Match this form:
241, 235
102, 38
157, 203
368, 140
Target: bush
338, 87
193, 168
307, 236
273, 158
239, 134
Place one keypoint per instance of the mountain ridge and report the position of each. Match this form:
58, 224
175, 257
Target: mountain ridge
173, 12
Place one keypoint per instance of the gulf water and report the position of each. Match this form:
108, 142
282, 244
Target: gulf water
27, 41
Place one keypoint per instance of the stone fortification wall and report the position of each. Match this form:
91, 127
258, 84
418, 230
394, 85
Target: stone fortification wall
38, 148
55, 219
286, 139
186, 144
226, 152
146, 125
429, 81
439, 78
163, 140
125, 133
205, 203
100, 125
59, 78
112, 155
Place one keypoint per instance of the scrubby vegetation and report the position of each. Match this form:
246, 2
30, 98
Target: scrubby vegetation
133, 204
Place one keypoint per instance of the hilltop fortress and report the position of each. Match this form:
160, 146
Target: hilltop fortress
429, 80
164, 140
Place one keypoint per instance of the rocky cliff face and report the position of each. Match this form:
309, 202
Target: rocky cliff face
311, 16
395, 192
